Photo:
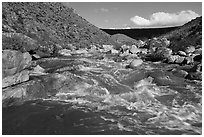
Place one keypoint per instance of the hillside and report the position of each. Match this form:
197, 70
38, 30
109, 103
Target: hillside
123, 39
186, 35
43, 27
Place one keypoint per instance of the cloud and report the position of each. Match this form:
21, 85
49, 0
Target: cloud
165, 19
104, 10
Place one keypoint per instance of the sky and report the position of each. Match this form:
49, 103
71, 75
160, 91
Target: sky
137, 14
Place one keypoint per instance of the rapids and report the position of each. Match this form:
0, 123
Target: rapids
96, 95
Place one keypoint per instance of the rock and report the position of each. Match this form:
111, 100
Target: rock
38, 71
198, 51
160, 54
175, 59
166, 52
194, 76
190, 49
14, 61
65, 52
179, 59
167, 42
107, 48
134, 49
196, 68
35, 56
93, 49
140, 43
189, 60
179, 73
172, 59
114, 51
135, 63
81, 51
197, 57
18, 91
15, 79
181, 53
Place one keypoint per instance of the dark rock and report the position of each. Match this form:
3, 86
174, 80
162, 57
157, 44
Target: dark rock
197, 58
194, 76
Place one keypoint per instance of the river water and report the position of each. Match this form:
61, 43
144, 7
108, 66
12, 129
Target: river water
101, 96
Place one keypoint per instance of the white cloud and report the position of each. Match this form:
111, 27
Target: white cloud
104, 10
165, 19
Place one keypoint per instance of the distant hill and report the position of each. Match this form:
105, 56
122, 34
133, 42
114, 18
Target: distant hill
186, 35
42, 25
143, 33
123, 39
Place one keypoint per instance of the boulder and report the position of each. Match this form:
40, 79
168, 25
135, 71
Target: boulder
198, 51
114, 51
175, 59
14, 61
171, 59
166, 42
135, 63
18, 91
81, 51
194, 76
189, 60
65, 52
35, 56
15, 79
179, 73
134, 49
179, 59
190, 49
107, 48
181, 53
166, 52
140, 43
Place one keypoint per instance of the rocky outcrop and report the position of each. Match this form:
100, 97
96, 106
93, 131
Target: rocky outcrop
14, 62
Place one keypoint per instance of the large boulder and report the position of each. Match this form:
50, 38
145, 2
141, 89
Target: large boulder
15, 79
14, 62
